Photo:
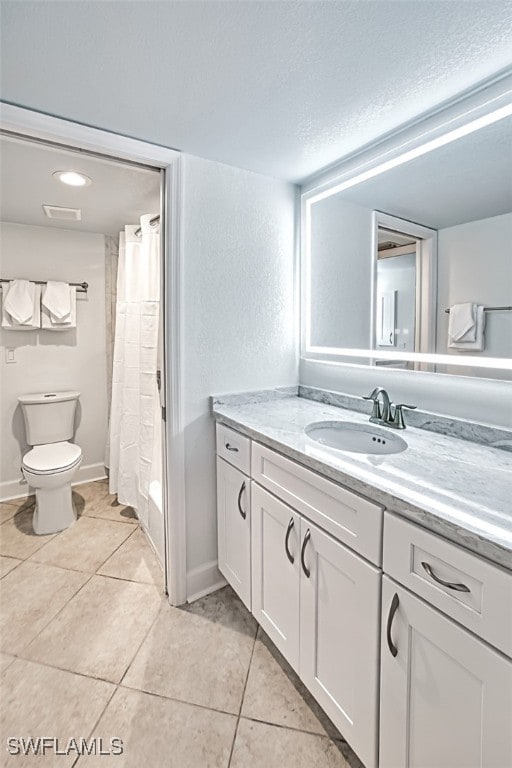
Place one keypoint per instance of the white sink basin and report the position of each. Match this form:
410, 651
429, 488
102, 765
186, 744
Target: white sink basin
354, 437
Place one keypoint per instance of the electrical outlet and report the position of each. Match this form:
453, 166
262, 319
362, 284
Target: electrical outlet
9, 355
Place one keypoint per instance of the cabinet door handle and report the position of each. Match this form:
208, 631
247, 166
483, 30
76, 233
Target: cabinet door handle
231, 447
242, 489
286, 539
450, 584
303, 552
392, 610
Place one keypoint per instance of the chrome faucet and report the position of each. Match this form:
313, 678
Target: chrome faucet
384, 412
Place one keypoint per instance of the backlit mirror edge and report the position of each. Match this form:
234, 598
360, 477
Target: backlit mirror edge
489, 111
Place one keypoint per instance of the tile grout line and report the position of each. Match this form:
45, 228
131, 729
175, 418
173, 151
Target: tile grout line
243, 697
118, 684
24, 648
98, 719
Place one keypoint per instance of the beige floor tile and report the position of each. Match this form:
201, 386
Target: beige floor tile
7, 511
30, 596
99, 631
198, 654
41, 701
135, 561
7, 564
108, 508
85, 545
158, 732
5, 660
259, 745
9, 508
93, 490
275, 694
17, 537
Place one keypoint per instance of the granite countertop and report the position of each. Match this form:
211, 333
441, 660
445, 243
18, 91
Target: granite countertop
459, 489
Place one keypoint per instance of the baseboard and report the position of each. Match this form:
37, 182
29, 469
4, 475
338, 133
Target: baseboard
89, 473
19, 489
204, 580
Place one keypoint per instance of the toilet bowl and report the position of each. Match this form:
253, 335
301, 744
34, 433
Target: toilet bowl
50, 466
49, 469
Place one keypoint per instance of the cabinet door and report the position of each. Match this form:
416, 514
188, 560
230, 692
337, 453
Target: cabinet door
234, 528
339, 637
276, 571
446, 696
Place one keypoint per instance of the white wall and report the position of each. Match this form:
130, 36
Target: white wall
475, 264
240, 329
341, 273
47, 360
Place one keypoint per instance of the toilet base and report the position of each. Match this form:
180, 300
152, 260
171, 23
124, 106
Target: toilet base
54, 511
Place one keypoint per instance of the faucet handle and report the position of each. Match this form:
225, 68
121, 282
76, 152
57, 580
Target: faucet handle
376, 412
398, 416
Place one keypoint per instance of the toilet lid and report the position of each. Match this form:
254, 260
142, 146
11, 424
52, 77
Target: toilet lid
52, 457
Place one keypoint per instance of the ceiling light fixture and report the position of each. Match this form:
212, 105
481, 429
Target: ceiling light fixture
72, 178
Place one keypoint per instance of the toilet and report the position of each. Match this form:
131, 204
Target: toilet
51, 464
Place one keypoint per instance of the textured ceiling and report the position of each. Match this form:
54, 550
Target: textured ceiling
282, 88
119, 194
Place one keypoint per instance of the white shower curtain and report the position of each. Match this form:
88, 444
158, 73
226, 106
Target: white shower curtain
134, 424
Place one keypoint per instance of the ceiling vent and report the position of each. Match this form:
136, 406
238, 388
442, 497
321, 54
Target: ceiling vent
63, 214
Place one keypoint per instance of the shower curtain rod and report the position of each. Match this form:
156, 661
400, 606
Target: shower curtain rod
81, 287
151, 221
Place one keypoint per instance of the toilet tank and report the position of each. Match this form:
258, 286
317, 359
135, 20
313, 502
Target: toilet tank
49, 416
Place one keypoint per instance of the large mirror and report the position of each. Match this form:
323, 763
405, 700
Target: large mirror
416, 262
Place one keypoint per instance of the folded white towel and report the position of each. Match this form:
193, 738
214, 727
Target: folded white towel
479, 343
56, 298
50, 323
19, 301
9, 321
462, 323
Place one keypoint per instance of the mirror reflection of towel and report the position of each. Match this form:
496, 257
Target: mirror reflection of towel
464, 344
462, 322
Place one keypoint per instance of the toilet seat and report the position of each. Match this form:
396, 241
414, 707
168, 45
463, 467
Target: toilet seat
52, 458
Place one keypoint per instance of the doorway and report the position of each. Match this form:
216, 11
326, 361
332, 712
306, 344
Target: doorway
23, 125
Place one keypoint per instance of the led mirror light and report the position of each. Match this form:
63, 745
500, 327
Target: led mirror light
73, 178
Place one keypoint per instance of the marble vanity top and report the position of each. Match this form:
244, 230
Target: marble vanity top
459, 489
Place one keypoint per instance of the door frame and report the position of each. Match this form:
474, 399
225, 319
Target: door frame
41, 127
426, 281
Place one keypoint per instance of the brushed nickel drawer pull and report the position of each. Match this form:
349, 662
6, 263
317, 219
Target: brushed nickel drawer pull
392, 610
449, 584
303, 552
286, 540
239, 500
231, 448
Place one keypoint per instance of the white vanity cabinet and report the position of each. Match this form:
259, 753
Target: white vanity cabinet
317, 599
445, 691
427, 645
276, 571
339, 636
319, 603
234, 511
446, 696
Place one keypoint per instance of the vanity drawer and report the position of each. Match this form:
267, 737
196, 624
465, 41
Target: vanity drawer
352, 519
476, 593
234, 448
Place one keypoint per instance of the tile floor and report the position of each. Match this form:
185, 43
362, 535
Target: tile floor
89, 647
